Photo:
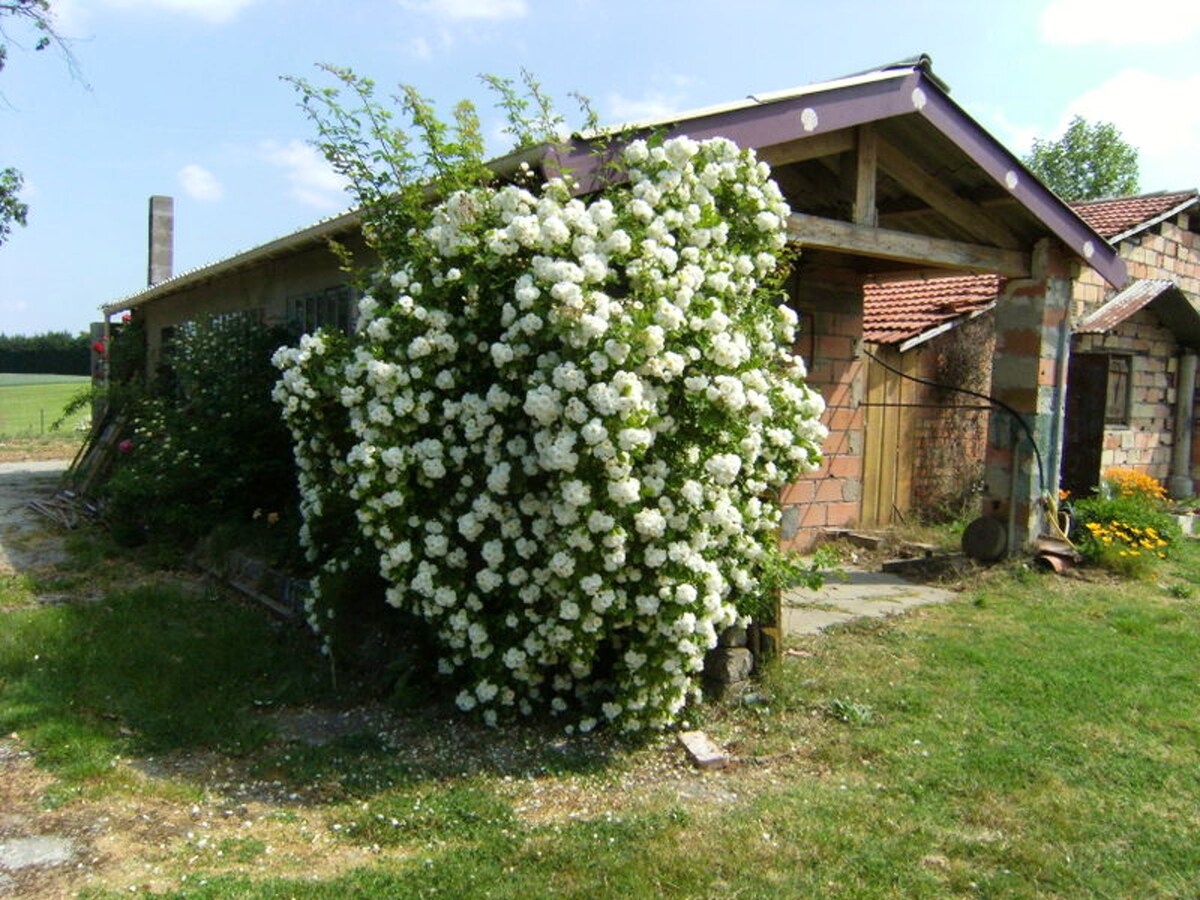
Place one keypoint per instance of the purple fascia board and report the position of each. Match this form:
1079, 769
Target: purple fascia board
836, 107
755, 125
1009, 172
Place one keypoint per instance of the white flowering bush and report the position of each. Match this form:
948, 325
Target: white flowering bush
568, 421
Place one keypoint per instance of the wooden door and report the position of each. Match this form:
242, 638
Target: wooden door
887, 455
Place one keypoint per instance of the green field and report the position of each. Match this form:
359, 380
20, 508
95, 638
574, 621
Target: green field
30, 404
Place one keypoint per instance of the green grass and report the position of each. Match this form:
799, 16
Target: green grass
30, 404
1035, 738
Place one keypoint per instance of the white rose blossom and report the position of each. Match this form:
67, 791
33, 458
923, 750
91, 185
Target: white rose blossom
580, 463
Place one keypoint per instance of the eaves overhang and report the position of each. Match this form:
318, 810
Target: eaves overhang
321, 232
767, 120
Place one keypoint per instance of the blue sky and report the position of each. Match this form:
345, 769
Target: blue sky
183, 97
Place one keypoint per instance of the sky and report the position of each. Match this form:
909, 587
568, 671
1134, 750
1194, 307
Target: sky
185, 98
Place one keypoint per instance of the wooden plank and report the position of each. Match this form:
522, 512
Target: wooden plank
906, 450
891, 441
866, 158
873, 456
901, 246
806, 148
968, 216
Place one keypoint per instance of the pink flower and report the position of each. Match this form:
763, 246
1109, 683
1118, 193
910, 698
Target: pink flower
126, 446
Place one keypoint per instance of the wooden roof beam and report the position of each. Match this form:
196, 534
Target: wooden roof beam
905, 247
966, 215
808, 148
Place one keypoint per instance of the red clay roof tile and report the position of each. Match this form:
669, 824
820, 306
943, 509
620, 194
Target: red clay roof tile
1118, 215
895, 311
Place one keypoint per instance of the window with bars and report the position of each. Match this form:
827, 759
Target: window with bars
329, 308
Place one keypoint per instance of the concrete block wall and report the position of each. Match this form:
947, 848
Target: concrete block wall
1169, 250
1032, 324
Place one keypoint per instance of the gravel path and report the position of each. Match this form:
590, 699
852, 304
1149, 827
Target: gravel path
26, 539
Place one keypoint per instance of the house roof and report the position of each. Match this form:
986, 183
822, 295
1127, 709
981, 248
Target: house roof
1162, 296
1120, 217
947, 194
941, 175
909, 312
317, 233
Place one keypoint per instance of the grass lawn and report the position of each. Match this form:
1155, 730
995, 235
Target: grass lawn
1038, 737
30, 404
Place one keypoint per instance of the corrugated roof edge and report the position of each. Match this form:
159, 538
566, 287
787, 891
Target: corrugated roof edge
1122, 305
321, 230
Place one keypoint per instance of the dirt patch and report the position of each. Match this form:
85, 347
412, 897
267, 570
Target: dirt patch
53, 447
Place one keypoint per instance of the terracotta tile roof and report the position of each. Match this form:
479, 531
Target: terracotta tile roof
1121, 215
895, 311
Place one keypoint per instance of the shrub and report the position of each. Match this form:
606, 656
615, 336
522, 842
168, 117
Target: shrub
1126, 526
207, 444
562, 425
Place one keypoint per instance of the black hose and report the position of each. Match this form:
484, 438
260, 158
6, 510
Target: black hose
993, 401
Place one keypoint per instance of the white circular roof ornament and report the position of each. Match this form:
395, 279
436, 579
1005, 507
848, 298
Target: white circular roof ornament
1089, 250
1011, 180
808, 119
918, 98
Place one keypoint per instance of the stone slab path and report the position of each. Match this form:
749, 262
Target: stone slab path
856, 595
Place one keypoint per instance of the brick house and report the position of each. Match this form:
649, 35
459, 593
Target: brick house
1132, 357
1132, 381
888, 179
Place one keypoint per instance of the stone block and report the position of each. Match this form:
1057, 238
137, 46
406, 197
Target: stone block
728, 665
734, 636
790, 522
702, 751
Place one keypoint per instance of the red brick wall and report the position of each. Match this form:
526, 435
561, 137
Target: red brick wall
830, 303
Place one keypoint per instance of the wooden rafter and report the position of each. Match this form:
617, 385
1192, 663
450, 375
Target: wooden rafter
968, 216
806, 148
902, 246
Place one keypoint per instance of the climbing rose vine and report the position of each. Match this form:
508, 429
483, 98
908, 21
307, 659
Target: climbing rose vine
562, 424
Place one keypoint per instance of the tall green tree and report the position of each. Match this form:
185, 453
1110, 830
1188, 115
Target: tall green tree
1091, 160
35, 18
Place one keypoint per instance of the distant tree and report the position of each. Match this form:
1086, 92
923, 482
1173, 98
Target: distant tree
1091, 160
33, 16
12, 210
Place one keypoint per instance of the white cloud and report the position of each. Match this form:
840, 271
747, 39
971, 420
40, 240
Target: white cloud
1146, 108
418, 48
200, 184
1016, 136
311, 179
654, 105
463, 10
1117, 22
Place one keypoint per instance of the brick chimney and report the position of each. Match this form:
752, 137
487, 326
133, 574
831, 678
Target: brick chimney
162, 240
